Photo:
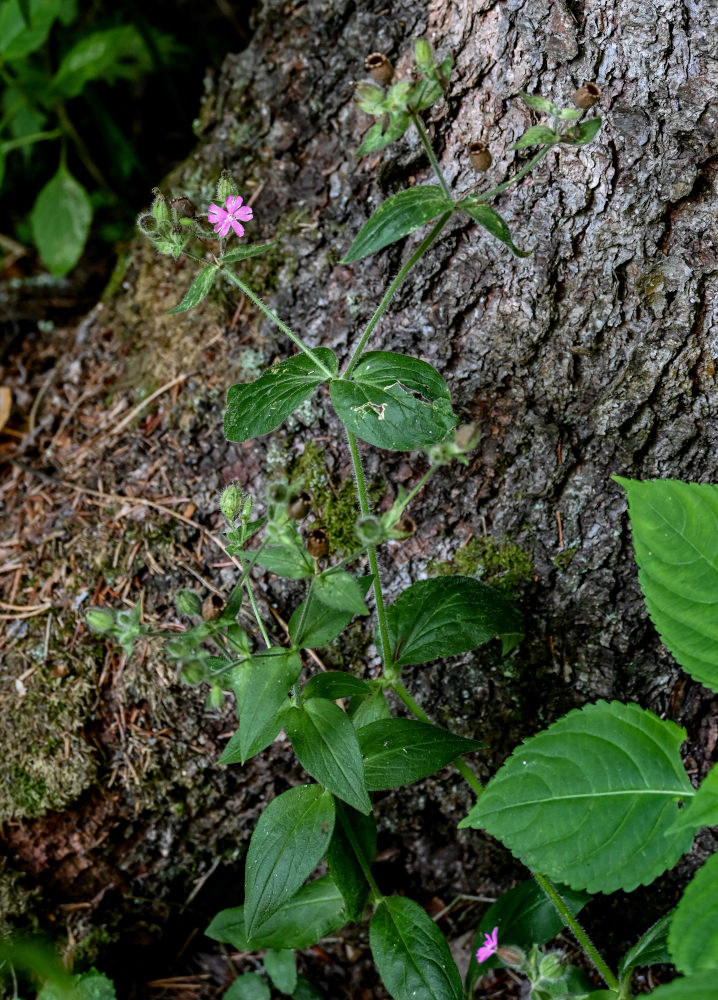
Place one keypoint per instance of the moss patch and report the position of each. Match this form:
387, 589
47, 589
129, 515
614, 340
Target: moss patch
499, 562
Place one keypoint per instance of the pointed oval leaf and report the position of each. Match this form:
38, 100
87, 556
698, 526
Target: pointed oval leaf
380, 135
394, 401
587, 131
397, 217
198, 290
281, 967
60, 220
242, 253
250, 986
344, 865
411, 953
693, 936
313, 624
271, 675
537, 135
590, 800
399, 751
650, 949
228, 926
490, 219
675, 537
335, 684
290, 560
258, 407
288, 842
325, 741
449, 615
341, 591
538, 103
702, 810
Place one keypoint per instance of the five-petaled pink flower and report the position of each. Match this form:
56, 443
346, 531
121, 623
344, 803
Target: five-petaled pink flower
489, 947
230, 218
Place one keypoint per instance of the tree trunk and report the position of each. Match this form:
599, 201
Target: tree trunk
593, 357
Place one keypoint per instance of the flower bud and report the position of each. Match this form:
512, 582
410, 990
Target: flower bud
147, 224
182, 208
226, 187
551, 967
277, 492
299, 505
369, 530
160, 211
511, 955
379, 68
423, 55
586, 96
317, 544
100, 620
188, 603
479, 156
231, 501
215, 697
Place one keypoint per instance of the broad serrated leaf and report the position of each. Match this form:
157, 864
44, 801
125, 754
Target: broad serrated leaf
490, 219
381, 134
449, 615
399, 751
243, 252
198, 290
335, 684
326, 743
693, 935
537, 135
341, 591
281, 967
394, 401
538, 103
346, 870
525, 916
250, 986
397, 217
313, 624
258, 407
411, 953
675, 537
650, 949
702, 810
699, 986
288, 842
60, 221
590, 800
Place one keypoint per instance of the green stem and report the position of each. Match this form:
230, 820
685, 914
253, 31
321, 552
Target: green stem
419, 486
82, 151
277, 322
430, 153
253, 602
364, 507
461, 766
389, 294
26, 140
579, 933
517, 176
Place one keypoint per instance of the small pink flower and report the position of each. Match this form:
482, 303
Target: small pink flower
489, 947
232, 217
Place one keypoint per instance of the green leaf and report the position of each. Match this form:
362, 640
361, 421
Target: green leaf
702, 810
270, 677
306, 991
585, 132
258, 407
538, 103
693, 936
525, 916
444, 616
335, 684
570, 114
313, 625
290, 559
490, 219
243, 252
397, 217
699, 986
288, 842
399, 751
394, 401
340, 590
650, 949
411, 953
588, 801
250, 986
326, 744
17, 39
537, 135
675, 537
314, 911
424, 93
364, 711
60, 221
346, 870
91, 985
198, 289
281, 967
381, 134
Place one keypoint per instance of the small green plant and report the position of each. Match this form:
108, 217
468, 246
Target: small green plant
599, 801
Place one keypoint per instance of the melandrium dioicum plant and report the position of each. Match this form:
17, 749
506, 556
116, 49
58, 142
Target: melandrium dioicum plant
599, 801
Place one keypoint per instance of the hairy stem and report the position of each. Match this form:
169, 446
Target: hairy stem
426, 143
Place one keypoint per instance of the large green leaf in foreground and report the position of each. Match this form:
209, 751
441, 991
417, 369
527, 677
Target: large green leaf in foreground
397, 217
693, 937
675, 536
590, 801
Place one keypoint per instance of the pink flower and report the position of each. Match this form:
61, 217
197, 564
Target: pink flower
489, 947
230, 218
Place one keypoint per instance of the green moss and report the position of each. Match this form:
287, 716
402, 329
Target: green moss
562, 560
501, 563
335, 506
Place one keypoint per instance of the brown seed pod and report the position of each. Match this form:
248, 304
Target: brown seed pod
586, 96
479, 156
299, 505
406, 524
212, 607
317, 544
379, 68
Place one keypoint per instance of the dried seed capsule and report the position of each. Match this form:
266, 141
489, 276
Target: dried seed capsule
406, 525
479, 156
379, 68
586, 96
212, 607
318, 543
299, 505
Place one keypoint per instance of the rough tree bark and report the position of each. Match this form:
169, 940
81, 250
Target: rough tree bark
594, 356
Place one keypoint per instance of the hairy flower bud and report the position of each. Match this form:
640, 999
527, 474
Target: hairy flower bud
379, 68
188, 603
423, 55
226, 188
160, 211
479, 156
231, 501
318, 543
551, 966
100, 620
586, 96
511, 955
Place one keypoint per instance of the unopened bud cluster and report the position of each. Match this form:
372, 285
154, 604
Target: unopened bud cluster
465, 440
171, 224
405, 96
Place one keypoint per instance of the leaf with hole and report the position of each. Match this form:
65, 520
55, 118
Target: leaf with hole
590, 801
258, 407
397, 217
399, 751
